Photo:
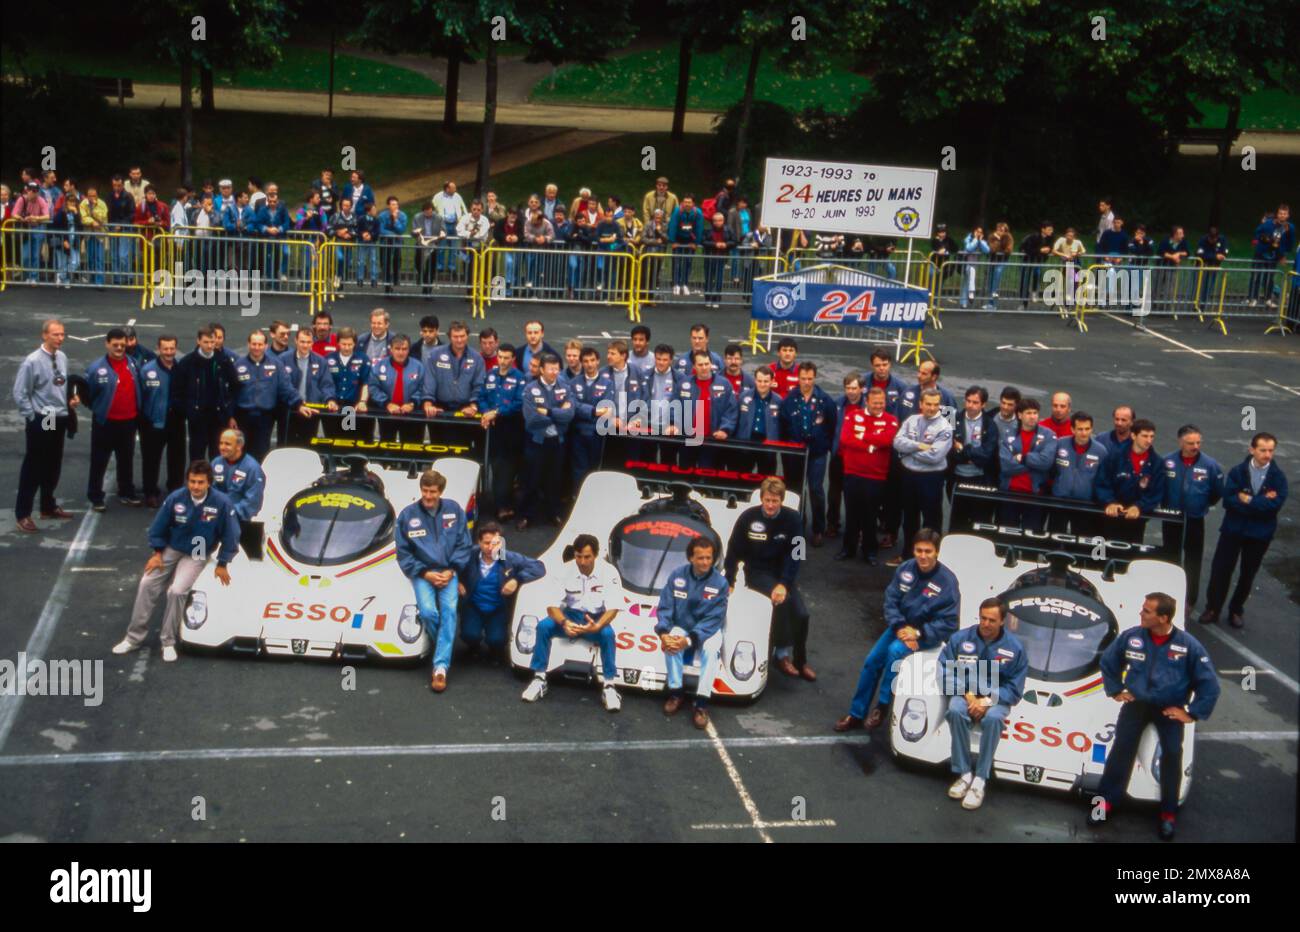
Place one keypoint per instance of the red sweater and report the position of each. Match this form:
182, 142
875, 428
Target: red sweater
784, 380
1060, 428
865, 443
1023, 482
123, 407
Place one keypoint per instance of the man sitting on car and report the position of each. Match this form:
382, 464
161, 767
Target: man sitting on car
983, 670
487, 586
921, 607
692, 612
582, 613
432, 547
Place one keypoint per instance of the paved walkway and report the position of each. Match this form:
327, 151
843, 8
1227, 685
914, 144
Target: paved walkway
602, 119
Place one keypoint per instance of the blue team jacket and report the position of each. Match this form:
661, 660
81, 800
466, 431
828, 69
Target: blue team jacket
453, 383
348, 378
503, 393
926, 601
1117, 482
381, 383
320, 382
1257, 520
180, 524
746, 415
1037, 462
242, 482
156, 392
437, 540
103, 385
1194, 489
546, 408
966, 648
1074, 475
698, 605
1162, 676
263, 384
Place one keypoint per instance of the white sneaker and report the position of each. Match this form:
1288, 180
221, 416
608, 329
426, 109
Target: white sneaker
535, 690
677, 289
125, 646
169, 653
974, 796
610, 697
960, 786
686, 290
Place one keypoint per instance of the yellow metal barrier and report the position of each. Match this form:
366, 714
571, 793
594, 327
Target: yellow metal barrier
287, 265
39, 255
1290, 296
558, 275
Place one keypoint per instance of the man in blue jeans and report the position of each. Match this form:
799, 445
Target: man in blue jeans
488, 588
432, 547
586, 588
921, 606
691, 616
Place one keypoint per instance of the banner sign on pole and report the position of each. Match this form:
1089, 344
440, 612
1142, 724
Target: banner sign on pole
866, 305
839, 197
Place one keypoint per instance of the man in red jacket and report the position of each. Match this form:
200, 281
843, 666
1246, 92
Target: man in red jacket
866, 440
785, 371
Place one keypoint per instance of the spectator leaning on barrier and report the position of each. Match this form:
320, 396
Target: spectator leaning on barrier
973, 249
685, 233
1001, 245
1034, 251
1211, 250
1274, 239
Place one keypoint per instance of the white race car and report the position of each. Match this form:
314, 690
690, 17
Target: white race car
1065, 614
326, 583
645, 540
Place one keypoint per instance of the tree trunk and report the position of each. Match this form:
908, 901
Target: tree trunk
489, 121
751, 77
330, 114
187, 120
1225, 149
683, 85
994, 123
207, 100
453, 91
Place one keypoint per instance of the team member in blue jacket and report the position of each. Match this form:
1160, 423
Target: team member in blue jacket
239, 477
691, 616
1163, 677
1253, 493
350, 371
708, 407
927, 377
1193, 485
594, 398
193, 525
1078, 462
882, 377
922, 603
453, 375
758, 420
548, 411
973, 458
263, 381
395, 392
115, 403
808, 416
684, 364
487, 587
310, 376
162, 422
433, 546
502, 404
1132, 483
1024, 463
982, 669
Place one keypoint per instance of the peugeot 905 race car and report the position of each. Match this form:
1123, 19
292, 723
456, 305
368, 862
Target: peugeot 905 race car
645, 539
325, 583
1068, 596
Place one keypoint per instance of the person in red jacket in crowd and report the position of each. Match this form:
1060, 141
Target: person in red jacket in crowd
785, 371
151, 214
866, 441
1059, 422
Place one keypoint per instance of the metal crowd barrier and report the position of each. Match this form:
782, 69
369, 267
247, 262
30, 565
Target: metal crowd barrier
401, 267
36, 254
606, 277
725, 279
286, 265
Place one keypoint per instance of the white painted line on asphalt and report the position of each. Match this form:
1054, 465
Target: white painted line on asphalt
1256, 659
788, 823
93, 569
1237, 736
43, 633
1182, 346
1285, 388
733, 774
421, 750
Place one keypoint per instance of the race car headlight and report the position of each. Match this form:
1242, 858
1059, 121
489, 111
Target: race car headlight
526, 636
408, 624
914, 720
196, 609
744, 660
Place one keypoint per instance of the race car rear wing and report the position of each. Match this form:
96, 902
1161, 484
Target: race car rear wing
730, 469
449, 435
1020, 524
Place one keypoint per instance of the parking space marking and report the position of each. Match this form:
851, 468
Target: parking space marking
756, 820
43, 633
1182, 346
422, 750
1256, 659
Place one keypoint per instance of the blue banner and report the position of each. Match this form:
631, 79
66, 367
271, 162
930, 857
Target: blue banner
851, 305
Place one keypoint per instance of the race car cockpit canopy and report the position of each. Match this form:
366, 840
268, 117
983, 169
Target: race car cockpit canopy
339, 519
646, 547
1059, 617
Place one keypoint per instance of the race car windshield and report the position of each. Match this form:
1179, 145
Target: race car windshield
328, 526
646, 549
1064, 632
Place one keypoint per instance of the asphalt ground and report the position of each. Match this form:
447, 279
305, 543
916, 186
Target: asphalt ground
281, 751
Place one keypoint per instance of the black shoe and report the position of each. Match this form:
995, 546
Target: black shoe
98, 506
1166, 830
1237, 620
843, 555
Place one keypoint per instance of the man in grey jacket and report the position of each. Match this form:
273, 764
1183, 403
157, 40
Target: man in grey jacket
922, 443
